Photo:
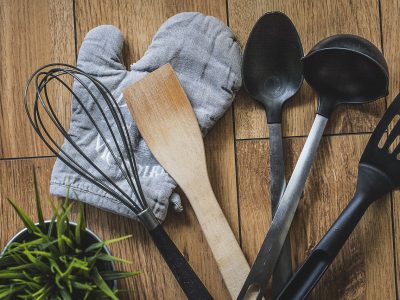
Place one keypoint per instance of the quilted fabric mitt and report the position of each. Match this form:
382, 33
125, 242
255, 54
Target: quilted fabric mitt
206, 57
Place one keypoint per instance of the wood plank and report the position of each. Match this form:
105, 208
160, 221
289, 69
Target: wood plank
33, 33
138, 21
391, 36
43, 33
364, 268
314, 20
390, 10
396, 224
16, 183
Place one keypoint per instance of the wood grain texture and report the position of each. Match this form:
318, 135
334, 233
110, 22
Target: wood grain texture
396, 224
314, 21
390, 11
37, 32
138, 20
364, 268
16, 183
33, 33
390, 37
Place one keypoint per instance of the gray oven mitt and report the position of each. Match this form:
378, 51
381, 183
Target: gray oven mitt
206, 57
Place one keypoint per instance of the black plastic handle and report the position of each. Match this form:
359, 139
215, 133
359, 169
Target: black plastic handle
308, 275
183, 272
283, 267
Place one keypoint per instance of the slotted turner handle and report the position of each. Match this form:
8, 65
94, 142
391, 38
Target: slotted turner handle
316, 264
166, 120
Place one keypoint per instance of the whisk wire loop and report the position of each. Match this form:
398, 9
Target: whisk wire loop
129, 170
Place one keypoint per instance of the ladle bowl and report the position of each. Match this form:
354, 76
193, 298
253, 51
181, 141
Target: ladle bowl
345, 68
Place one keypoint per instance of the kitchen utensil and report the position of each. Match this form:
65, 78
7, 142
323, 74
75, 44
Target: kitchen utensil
272, 74
378, 174
169, 127
343, 69
47, 122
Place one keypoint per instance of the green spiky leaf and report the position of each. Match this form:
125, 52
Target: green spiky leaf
37, 201
111, 275
80, 224
30, 225
100, 245
102, 285
54, 261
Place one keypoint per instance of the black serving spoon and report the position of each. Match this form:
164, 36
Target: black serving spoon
343, 69
378, 174
272, 74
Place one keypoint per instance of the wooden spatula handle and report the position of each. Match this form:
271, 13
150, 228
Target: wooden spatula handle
221, 240
167, 122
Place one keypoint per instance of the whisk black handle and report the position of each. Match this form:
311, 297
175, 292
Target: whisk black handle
184, 274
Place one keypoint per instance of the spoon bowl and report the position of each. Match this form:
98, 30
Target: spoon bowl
272, 71
272, 74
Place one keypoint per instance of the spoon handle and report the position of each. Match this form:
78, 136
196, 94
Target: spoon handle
277, 165
264, 265
283, 269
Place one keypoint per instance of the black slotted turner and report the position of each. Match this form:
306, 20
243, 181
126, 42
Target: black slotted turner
378, 174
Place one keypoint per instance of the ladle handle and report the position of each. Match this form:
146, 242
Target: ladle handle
308, 275
283, 269
191, 285
268, 255
302, 169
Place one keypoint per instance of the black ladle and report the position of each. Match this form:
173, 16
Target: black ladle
272, 74
342, 69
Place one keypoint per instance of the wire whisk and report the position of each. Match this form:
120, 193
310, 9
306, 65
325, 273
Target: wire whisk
112, 129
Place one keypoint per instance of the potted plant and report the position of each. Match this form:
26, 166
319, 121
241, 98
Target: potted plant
58, 259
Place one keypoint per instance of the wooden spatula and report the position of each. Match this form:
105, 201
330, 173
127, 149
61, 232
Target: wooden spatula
166, 120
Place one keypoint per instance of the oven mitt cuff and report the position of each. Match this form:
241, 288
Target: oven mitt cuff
206, 57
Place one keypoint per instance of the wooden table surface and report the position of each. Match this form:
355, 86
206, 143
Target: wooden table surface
36, 32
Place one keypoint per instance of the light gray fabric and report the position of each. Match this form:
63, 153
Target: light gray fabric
206, 57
